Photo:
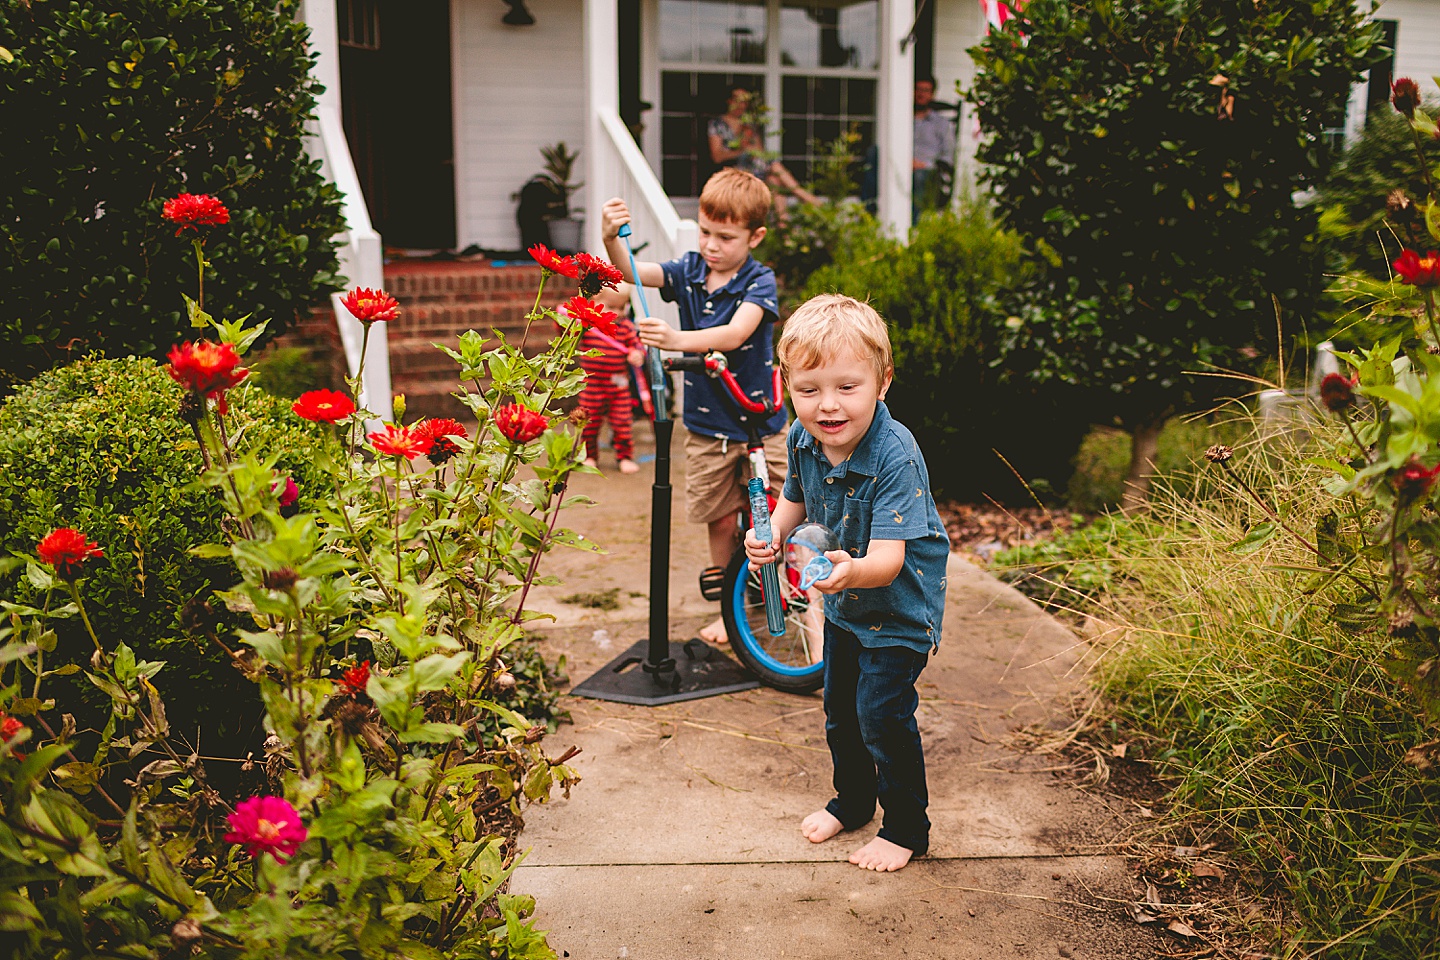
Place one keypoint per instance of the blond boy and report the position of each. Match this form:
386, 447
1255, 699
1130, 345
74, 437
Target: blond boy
855, 469
727, 302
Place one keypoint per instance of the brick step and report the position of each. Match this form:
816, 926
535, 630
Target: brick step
408, 279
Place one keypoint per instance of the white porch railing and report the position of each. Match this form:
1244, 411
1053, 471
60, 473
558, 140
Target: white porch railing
657, 231
359, 249
614, 165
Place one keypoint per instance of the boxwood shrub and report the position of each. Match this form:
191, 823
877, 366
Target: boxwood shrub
98, 446
110, 109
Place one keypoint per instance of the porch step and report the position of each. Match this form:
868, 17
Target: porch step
439, 301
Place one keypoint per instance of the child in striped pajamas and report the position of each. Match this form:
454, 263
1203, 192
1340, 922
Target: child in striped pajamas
606, 394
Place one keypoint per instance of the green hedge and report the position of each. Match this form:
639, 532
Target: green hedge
941, 296
112, 108
97, 446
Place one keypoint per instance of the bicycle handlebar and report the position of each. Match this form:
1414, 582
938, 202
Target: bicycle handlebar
715, 366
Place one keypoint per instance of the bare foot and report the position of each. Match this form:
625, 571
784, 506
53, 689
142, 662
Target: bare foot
590, 462
882, 856
715, 632
820, 826
628, 466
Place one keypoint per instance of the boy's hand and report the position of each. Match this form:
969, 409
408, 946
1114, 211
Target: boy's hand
612, 215
635, 357
840, 577
658, 333
759, 552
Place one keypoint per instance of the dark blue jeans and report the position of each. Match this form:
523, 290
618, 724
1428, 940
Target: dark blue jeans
870, 703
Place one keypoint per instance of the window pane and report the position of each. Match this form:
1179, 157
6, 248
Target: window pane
712, 31
688, 102
817, 110
840, 33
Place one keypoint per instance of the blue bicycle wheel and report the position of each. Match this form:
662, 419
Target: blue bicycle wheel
792, 662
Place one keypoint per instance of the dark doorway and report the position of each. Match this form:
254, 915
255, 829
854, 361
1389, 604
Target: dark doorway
396, 98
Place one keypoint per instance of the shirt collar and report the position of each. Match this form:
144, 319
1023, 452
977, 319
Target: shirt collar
863, 458
697, 271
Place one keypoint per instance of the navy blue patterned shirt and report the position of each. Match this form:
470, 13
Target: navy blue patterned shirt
881, 492
709, 410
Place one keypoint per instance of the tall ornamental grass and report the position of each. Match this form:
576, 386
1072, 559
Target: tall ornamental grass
1268, 700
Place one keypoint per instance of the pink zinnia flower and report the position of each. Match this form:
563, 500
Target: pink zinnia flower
400, 442
267, 825
286, 491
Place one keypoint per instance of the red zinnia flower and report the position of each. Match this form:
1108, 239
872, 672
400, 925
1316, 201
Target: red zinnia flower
354, 679
207, 369
195, 210
286, 491
400, 442
1405, 95
519, 425
552, 261
324, 406
1417, 270
439, 432
596, 273
66, 550
267, 825
1414, 480
9, 728
368, 305
1337, 391
591, 314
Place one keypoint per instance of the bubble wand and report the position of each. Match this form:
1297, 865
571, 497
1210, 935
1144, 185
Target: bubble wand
653, 370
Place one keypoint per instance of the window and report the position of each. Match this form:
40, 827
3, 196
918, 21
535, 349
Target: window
358, 22
815, 64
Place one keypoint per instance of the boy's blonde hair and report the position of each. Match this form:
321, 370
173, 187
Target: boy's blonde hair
736, 196
826, 326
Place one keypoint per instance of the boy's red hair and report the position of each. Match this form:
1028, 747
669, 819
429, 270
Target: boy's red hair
736, 196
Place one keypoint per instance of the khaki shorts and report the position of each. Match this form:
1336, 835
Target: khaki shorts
716, 472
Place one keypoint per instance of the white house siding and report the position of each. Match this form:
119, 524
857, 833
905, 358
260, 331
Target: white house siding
959, 25
516, 89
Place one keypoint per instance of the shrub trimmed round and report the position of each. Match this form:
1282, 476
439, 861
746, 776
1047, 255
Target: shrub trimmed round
98, 446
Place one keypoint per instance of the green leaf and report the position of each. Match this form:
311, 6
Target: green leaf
577, 540
211, 551
1257, 537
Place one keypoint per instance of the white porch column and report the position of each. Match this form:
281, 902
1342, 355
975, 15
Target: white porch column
895, 123
359, 250
602, 93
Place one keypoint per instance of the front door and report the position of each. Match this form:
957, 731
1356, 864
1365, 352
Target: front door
395, 97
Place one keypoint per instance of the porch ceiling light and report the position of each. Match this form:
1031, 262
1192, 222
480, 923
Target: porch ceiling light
517, 15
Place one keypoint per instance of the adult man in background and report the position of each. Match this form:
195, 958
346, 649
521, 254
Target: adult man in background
934, 144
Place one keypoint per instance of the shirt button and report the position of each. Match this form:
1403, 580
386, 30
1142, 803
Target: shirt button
829, 479
708, 304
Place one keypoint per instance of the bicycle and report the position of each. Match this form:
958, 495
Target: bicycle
792, 662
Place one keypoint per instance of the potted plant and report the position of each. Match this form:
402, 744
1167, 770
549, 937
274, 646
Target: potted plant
565, 229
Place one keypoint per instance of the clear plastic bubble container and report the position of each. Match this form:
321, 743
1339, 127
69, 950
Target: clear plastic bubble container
805, 551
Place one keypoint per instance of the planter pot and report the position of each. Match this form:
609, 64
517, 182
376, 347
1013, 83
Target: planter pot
565, 234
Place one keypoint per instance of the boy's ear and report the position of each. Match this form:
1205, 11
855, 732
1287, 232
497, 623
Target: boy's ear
756, 236
885, 385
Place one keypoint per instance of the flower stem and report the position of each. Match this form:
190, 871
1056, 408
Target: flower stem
80, 604
534, 311
200, 269
1430, 314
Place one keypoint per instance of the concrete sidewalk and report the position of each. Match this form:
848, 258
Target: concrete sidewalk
683, 839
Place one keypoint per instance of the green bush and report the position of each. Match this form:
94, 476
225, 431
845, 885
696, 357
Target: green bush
110, 109
97, 446
1242, 675
940, 295
811, 240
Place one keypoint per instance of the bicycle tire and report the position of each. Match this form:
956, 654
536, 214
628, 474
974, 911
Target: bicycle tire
779, 662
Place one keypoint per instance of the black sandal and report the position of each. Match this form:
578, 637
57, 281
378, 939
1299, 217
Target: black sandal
712, 583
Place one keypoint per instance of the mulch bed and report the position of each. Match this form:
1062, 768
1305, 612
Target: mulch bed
984, 529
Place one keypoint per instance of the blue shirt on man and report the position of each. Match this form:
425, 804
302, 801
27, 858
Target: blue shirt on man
709, 409
881, 492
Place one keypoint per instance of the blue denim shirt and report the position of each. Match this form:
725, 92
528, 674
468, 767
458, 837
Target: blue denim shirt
882, 492
709, 410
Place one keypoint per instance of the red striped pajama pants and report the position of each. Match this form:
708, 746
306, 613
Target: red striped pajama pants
607, 396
